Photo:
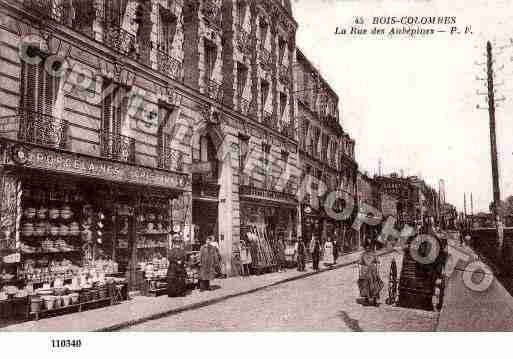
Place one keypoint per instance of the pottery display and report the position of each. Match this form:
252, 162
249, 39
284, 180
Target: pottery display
54, 213
41, 213
66, 212
30, 212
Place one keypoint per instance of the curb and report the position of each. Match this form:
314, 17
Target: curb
207, 302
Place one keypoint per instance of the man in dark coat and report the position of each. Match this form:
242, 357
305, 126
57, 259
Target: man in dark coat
176, 272
315, 250
300, 256
209, 262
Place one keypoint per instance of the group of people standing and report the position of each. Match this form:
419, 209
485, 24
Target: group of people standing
329, 251
209, 266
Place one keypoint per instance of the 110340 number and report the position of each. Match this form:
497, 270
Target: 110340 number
66, 343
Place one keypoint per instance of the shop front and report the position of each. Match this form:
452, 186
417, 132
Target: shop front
79, 231
267, 218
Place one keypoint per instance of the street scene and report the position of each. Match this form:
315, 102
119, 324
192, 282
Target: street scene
246, 165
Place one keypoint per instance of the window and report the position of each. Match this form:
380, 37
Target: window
241, 11
242, 76
282, 45
283, 104
210, 59
264, 93
167, 30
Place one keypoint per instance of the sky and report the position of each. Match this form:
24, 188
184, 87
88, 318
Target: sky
412, 102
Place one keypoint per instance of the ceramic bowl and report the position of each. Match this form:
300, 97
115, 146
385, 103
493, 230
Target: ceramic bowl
54, 213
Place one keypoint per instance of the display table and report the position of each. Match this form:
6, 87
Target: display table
88, 299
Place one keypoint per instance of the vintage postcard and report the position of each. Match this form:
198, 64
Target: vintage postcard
255, 165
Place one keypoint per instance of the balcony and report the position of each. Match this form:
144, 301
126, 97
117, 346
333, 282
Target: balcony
211, 12
215, 90
169, 65
36, 128
269, 120
265, 57
117, 147
170, 159
284, 74
266, 194
243, 105
120, 40
243, 41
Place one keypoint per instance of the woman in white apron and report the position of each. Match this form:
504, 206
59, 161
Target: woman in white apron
329, 258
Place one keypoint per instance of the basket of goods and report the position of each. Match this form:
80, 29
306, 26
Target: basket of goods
66, 212
102, 292
49, 301
64, 230
74, 229
40, 229
30, 213
66, 300
27, 229
41, 213
54, 213
74, 298
54, 230
36, 304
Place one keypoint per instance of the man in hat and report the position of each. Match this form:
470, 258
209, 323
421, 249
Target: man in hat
176, 272
209, 262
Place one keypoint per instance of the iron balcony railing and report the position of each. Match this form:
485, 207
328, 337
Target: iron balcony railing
117, 147
120, 40
243, 105
169, 65
243, 40
251, 191
171, 159
212, 13
215, 90
268, 119
37, 128
264, 56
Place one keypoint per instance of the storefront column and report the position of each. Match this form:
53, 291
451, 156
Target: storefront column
226, 214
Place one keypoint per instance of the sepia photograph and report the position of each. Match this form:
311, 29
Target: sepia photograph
255, 166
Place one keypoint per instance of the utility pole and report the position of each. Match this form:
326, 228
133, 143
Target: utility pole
493, 139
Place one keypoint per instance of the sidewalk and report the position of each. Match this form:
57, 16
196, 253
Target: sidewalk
140, 309
468, 310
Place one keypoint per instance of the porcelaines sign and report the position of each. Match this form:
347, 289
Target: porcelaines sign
91, 167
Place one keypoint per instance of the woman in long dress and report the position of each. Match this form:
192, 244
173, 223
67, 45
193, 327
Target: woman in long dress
176, 272
329, 258
209, 262
370, 283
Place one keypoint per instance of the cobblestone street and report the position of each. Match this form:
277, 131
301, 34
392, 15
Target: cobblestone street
322, 302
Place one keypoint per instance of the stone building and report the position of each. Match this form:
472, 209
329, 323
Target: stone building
326, 155
188, 103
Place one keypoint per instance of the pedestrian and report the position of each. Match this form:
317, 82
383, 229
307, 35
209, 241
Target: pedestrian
300, 255
335, 251
245, 257
176, 272
209, 262
329, 258
280, 246
315, 250
369, 282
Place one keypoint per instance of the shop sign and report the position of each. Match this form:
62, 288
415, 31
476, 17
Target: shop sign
201, 167
44, 159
